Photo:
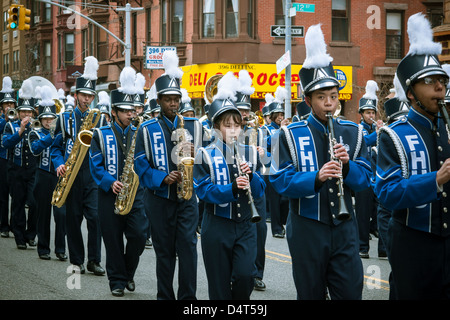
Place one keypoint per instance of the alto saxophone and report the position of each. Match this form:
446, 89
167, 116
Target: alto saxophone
185, 164
75, 159
129, 178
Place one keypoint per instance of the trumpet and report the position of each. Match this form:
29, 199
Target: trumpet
35, 124
343, 214
11, 114
255, 215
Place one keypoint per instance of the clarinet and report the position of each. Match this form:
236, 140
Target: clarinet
255, 215
343, 214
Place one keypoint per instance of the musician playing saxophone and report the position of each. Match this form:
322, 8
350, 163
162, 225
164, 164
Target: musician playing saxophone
225, 181
173, 218
111, 146
305, 168
82, 199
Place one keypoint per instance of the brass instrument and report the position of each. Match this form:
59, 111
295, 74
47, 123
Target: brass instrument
75, 159
211, 87
343, 214
11, 114
443, 110
255, 215
59, 106
185, 164
35, 124
129, 178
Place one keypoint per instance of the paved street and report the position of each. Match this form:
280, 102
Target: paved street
23, 276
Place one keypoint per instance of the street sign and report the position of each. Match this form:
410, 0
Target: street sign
304, 7
280, 31
283, 62
153, 56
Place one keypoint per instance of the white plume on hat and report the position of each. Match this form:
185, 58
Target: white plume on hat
316, 49
151, 94
446, 68
70, 100
399, 92
170, 64
227, 87
127, 79
37, 92
47, 96
26, 90
185, 96
245, 83
281, 94
103, 98
90, 68
269, 98
139, 83
371, 90
61, 94
421, 36
7, 85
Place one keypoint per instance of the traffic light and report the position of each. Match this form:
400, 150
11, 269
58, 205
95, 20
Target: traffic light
24, 18
13, 16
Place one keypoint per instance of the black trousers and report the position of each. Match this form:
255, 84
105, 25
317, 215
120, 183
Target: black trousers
173, 226
4, 196
122, 259
43, 190
22, 183
81, 203
261, 236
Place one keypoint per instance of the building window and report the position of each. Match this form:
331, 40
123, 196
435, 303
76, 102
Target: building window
148, 14
177, 33
280, 6
163, 21
47, 56
48, 13
102, 44
250, 19
16, 62
69, 49
6, 63
232, 18
340, 20
209, 18
394, 47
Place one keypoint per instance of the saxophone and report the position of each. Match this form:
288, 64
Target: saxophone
185, 164
75, 159
129, 178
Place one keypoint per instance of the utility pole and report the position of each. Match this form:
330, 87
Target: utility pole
127, 9
288, 104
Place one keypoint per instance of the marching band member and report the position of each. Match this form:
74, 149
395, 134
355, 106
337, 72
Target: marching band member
155, 108
278, 204
40, 141
7, 103
109, 152
173, 219
62, 96
104, 106
82, 198
413, 169
254, 136
324, 248
228, 235
366, 202
69, 104
303, 111
21, 172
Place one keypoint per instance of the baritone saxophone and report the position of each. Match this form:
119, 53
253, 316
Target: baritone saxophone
75, 159
129, 178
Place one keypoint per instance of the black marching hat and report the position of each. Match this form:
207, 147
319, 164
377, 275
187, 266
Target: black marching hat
303, 110
281, 94
26, 100
86, 83
185, 104
225, 98
124, 97
317, 70
244, 91
7, 94
47, 107
169, 82
422, 59
104, 102
369, 100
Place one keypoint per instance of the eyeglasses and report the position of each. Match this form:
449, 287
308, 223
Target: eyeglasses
432, 80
